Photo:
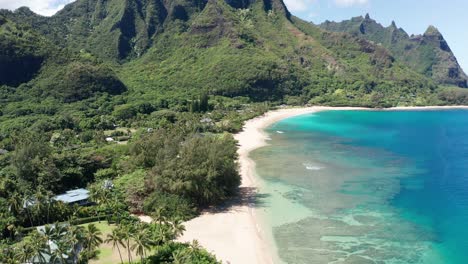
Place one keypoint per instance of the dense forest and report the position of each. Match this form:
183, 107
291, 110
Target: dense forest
136, 101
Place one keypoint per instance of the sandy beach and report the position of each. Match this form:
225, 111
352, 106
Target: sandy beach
232, 233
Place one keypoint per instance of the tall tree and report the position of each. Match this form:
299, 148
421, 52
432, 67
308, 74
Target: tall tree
39, 245
116, 238
142, 241
127, 229
177, 228
93, 238
25, 253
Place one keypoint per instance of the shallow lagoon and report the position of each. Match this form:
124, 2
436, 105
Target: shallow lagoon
367, 187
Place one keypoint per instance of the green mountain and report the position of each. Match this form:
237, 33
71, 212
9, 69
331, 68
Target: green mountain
22, 53
177, 49
428, 54
146, 93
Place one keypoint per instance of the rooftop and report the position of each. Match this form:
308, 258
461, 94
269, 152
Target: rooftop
73, 196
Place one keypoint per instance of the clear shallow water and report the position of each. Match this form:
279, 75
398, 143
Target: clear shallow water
367, 187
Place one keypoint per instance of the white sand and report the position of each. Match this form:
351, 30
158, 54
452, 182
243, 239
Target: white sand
233, 234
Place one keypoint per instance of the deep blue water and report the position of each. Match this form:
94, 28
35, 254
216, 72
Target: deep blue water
386, 186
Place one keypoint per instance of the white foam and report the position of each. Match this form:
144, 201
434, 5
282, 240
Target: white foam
279, 132
312, 167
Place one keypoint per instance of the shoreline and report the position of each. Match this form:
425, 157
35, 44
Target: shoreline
233, 233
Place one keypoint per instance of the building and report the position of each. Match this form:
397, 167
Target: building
78, 196
71, 257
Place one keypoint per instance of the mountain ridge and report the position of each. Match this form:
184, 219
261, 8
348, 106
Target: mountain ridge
428, 53
230, 48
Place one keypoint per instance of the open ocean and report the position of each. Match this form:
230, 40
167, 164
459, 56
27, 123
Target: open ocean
367, 187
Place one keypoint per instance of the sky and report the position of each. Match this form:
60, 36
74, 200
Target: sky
414, 16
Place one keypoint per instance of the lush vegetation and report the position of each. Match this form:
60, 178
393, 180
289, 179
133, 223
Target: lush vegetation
428, 54
139, 242
136, 101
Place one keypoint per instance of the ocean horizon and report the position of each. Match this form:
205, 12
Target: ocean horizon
366, 187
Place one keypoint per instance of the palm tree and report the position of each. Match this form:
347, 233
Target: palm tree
25, 253
26, 203
195, 246
16, 204
49, 201
75, 238
116, 238
49, 233
37, 207
57, 257
158, 216
177, 227
9, 255
180, 257
39, 246
161, 234
127, 230
142, 240
92, 237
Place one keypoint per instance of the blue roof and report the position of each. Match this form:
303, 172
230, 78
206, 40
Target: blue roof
73, 196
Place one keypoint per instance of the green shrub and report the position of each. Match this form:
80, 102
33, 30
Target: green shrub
172, 206
183, 252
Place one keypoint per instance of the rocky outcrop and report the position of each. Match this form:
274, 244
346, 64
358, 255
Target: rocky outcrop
428, 54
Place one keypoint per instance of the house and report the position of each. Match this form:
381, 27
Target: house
78, 196
71, 257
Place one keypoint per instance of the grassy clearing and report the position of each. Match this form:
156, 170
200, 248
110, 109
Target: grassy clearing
107, 254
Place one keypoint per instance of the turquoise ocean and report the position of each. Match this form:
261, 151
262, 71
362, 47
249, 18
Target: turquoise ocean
367, 187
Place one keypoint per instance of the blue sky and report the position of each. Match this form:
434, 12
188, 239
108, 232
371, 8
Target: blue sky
449, 16
414, 16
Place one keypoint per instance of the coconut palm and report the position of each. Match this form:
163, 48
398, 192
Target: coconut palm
49, 202
75, 238
39, 246
195, 246
142, 241
161, 234
92, 238
9, 255
49, 234
127, 230
158, 216
177, 227
116, 238
57, 256
15, 203
26, 203
180, 257
25, 253
38, 207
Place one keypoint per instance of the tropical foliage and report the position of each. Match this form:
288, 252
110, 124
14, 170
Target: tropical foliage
136, 101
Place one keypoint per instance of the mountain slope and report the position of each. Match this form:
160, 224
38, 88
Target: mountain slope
26, 57
22, 53
177, 49
428, 54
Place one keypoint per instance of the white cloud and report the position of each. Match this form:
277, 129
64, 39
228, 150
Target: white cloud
43, 7
348, 3
298, 5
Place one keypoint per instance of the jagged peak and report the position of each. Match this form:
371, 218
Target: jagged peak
431, 31
393, 25
275, 5
25, 11
367, 17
